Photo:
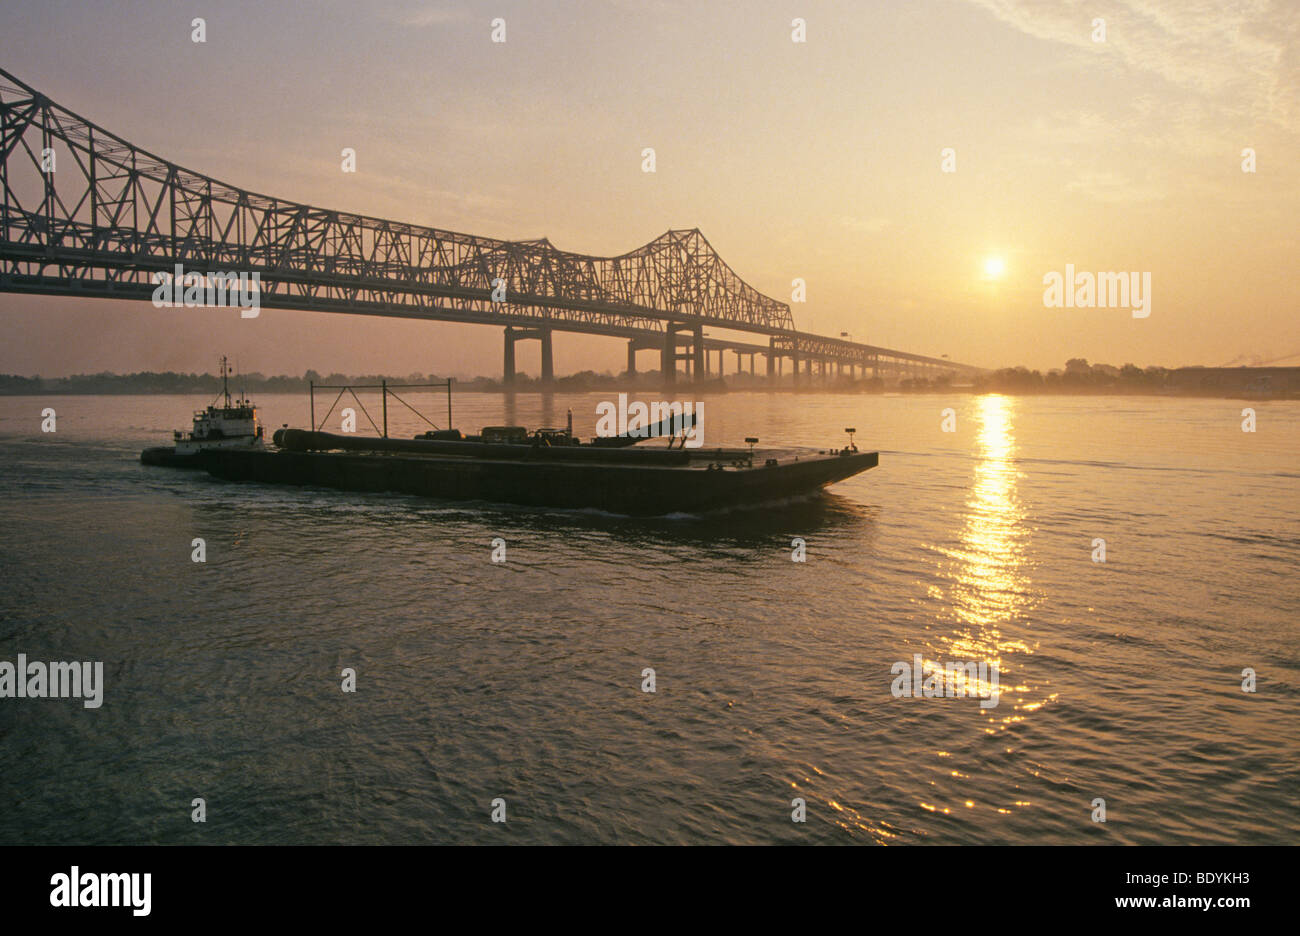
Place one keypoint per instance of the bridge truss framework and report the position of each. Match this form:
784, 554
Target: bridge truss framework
85, 213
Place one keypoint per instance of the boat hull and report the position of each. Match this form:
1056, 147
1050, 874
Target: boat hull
637, 490
179, 457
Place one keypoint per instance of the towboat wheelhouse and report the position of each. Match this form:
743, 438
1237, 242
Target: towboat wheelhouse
234, 424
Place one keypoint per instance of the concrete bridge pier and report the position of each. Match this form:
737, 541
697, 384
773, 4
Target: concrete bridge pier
700, 360
514, 334
548, 362
669, 355
639, 344
508, 370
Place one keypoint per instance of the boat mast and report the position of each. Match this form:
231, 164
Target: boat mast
225, 383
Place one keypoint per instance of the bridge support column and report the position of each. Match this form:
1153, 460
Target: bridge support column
631, 358
700, 361
669, 355
548, 363
508, 370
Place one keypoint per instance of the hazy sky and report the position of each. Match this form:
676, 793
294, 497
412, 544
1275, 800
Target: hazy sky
819, 160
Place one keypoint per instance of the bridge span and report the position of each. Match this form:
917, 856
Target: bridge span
87, 214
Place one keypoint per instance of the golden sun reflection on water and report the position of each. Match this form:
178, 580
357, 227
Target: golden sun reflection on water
987, 589
989, 581
989, 586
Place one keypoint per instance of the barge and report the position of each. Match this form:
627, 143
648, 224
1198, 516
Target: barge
510, 465
637, 482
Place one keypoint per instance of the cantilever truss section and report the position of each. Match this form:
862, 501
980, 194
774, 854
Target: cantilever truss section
85, 212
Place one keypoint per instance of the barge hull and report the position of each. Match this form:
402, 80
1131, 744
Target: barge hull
636, 490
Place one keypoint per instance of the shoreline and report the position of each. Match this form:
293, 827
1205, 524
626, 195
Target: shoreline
716, 389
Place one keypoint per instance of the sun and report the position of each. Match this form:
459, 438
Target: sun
994, 267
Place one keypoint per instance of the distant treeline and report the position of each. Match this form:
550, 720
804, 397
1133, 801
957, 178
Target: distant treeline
1078, 376
147, 382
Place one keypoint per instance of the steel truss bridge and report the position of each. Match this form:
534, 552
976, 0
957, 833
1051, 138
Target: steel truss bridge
87, 214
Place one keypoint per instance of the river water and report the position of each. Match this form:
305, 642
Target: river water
522, 680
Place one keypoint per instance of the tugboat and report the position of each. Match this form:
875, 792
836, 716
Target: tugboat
233, 426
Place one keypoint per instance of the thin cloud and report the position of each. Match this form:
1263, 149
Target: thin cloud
1114, 188
1245, 57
